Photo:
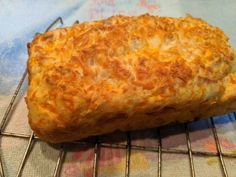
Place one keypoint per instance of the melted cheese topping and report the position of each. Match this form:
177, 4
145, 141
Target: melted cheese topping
126, 65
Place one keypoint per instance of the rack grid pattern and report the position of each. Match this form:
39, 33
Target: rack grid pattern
127, 147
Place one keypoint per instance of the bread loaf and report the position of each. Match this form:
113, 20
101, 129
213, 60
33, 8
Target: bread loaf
126, 73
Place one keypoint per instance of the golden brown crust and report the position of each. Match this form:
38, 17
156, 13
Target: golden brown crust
127, 73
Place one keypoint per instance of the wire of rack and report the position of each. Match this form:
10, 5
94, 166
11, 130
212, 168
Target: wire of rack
97, 144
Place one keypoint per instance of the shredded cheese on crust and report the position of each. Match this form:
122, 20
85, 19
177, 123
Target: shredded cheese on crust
125, 73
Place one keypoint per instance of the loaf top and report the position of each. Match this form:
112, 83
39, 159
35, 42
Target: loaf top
125, 65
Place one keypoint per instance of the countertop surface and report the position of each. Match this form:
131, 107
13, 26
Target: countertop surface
20, 20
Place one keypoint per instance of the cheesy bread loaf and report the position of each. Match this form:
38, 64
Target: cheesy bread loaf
126, 73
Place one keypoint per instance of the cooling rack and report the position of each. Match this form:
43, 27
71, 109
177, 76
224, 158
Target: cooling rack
128, 146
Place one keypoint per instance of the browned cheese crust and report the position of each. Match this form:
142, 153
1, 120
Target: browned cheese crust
126, 73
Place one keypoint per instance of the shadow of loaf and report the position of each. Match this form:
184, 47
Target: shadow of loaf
126, 73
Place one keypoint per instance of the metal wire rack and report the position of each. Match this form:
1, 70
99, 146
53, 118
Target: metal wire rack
127, 147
